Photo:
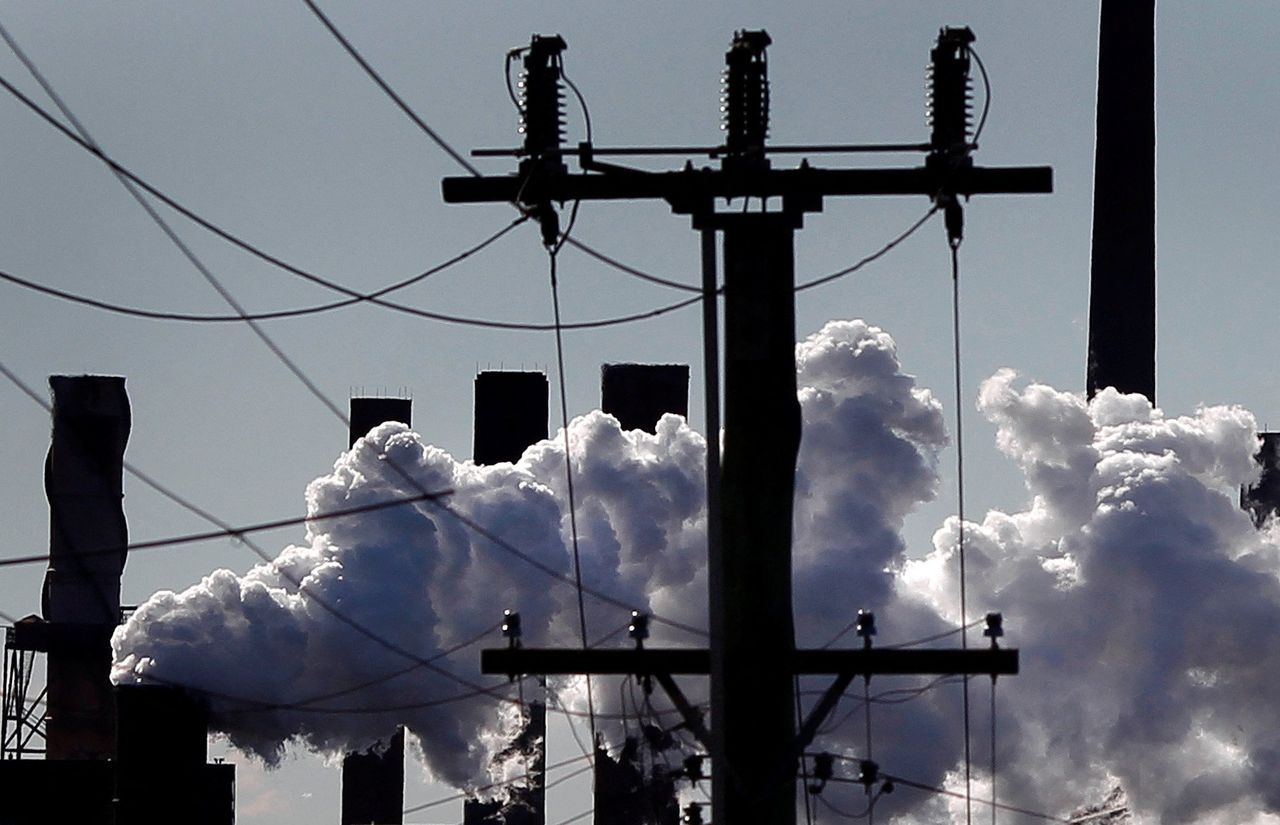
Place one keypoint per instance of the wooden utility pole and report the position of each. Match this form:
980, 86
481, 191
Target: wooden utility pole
752, 660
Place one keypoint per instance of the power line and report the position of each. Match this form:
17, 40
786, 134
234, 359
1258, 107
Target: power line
373, 298
298, 583
164, 315
232, 532
508, 547
169, 232
844, 631
85, 139
388, 91
471, 794
899, 780
954, 240
305, 274
460, 517
874, 256
631, 270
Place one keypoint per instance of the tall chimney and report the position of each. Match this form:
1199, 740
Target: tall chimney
1262, 499
1122, 293
373, 781
510, 414
640, 394
83, 479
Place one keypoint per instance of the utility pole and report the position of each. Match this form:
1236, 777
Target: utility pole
753, 740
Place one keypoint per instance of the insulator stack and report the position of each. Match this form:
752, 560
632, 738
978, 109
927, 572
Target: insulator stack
745, 100
950, 107
543, 114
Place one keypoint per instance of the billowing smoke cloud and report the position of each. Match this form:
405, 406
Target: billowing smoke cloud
1142, 599
1144, 602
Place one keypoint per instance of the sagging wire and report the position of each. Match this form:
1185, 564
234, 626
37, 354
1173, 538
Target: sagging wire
844, 631
233, 532
190, 317
504, 783
954, 240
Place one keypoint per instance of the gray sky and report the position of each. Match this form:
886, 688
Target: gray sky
252, 115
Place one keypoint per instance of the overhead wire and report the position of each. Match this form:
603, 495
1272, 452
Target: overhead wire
553, 254
232, 532
910, 783
558, 326
388, 91
484, 323
504, 783
86, 140
874, 256
165, 315
374, 297
844, 631
960, 536
293, 580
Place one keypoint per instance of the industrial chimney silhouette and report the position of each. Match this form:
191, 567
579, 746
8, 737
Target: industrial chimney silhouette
373, 781
640, 394
1122, 290
511, 414
83, 480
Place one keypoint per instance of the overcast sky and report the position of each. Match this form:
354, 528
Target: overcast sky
252, 115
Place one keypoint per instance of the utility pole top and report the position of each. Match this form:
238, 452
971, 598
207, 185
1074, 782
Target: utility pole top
753, 740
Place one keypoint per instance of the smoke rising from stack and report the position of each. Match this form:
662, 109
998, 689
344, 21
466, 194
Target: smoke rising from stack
1141, 596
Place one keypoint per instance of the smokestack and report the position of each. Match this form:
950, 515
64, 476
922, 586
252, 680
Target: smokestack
510, 414
1122, 293
83, 480
1262, 499
523, 805
373, 781
640, 394
161, 772
368, 412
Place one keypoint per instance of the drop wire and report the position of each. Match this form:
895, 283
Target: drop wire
954, 243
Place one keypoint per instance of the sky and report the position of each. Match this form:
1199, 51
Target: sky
254, 117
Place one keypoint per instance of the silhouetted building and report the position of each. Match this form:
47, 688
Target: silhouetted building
373, 780
510, 414
1122, 291
162, 775
41, 792
640, 394
1262, 499
83, 479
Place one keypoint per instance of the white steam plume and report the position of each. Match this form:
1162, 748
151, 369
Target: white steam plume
1142, 599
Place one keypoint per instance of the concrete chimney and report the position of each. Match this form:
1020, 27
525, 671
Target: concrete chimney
510, 414
639, 394
1122, 292
373, 781
83, 480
